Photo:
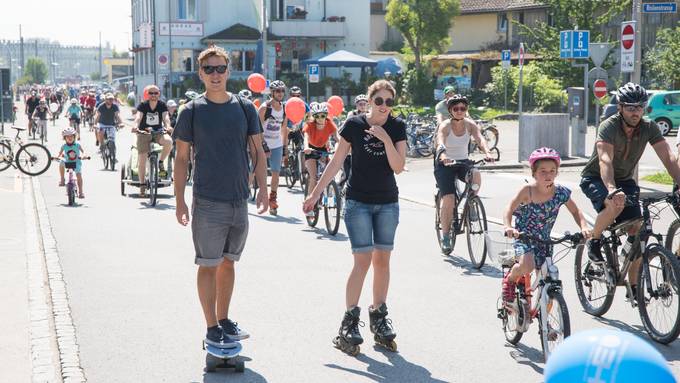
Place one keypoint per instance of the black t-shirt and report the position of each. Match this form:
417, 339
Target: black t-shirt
372, 179
152, 118
32, 102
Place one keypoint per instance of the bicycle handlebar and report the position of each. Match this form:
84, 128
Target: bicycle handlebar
575, 238
463, 162
320, 153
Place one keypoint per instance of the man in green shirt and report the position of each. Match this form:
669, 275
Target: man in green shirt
621, 140
440, 108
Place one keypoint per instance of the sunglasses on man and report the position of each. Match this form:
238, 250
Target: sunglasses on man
154, 93
379, 101
632, 108
209, 69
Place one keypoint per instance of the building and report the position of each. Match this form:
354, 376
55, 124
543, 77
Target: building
168, 35
383, 37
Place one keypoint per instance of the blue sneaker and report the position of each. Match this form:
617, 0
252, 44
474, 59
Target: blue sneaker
231, 331
446, 243
215, 337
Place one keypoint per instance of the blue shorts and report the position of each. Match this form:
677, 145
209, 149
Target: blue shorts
275, 158
596, 191
371, 226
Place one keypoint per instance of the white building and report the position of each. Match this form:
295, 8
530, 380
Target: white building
297, 30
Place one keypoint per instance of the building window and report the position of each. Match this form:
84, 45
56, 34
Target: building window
183, 60
242, 60
187, 9
502, 22
521, 17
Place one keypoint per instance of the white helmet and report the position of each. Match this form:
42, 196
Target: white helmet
68, 132
319, 107
191, 94
245, 93
359, 98
277, 84
74, 101
171, 104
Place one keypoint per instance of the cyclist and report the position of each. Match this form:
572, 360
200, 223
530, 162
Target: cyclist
441, 108
74, 113
89, 103
31, 103
621, 140
361, 105
454, 138
40, 113
273, 118
151, 116
535, 208
317, 133
71, 152
106, 118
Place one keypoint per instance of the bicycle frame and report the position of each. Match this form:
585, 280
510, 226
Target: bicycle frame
547, 279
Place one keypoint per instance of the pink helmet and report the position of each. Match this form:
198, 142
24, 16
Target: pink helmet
544, 154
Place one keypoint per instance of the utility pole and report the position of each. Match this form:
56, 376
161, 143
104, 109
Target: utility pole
21, 47
101, 70
169, 94
154, 58
637, 17
265, 63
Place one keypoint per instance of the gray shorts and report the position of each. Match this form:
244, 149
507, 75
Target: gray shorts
219, 230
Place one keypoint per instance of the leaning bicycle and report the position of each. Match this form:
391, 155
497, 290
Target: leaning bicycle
32, 158
657, 294
330, 199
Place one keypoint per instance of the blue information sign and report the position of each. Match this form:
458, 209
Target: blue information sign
505, 55
565, 44
580, 46
659, 7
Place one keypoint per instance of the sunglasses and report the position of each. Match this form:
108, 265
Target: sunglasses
379, 101
208, 69
278, 91
320, 116
632, 108
459, 109
154, 93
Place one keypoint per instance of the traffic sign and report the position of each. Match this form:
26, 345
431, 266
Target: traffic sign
659, 7
505, 58
313, 72
521, 55
565, 44
599, 52
627, 46
600, 88
580, 44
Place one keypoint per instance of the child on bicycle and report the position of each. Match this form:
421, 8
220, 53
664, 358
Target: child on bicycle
535, 208
317, 133
71, 152
74, 113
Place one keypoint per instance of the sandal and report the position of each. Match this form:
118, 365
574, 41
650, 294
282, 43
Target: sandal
62, 183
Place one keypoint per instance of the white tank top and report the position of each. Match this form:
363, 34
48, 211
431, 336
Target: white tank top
272, 129
457, 146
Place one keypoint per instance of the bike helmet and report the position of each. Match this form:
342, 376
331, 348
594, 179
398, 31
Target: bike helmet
319, 107
295, 91
68, 132
171, 104
191, 94
456, 99
277, 84
544, 154
245, 93
74, 101
632, 94
448, 89
359, 98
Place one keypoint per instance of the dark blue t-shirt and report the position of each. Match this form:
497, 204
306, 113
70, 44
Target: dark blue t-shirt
219, 135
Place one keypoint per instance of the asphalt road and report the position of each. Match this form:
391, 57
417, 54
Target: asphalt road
131, 281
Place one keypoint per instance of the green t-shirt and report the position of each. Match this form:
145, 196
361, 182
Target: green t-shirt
626, 153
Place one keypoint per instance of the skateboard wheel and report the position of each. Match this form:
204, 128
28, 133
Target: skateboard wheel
210, 363
239, 366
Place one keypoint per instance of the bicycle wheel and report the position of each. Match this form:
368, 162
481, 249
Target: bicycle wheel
332, 208
312, 220
513, 314
43, 126
594, 291
490, 134
33, 159
672, 237
476, 226
559, 325
111, 153
438, 227
105, 156
6, 156
423, 147
153, 181
658, 301
71, 193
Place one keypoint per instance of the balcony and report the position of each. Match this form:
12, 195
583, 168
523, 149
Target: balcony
308, 28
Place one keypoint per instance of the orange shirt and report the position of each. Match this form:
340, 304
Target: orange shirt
319, 137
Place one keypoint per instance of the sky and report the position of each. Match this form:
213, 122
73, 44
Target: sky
71, 22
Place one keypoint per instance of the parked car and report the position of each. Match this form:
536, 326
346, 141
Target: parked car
664, 108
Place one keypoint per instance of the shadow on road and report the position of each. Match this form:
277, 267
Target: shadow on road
277, 218
159, 206
397, 370
671, 351
462, 263
528, 356
323, 234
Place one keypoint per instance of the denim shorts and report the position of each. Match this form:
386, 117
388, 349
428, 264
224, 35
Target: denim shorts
371, 226
596, 191
219, 230
275, 159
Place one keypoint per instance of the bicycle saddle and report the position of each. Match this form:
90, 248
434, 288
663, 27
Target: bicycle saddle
18, 128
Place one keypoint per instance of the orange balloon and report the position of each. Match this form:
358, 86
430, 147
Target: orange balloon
335, 106
295, 109
145, 96
257, 82
257, 103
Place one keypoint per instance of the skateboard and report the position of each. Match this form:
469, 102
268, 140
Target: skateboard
223, 357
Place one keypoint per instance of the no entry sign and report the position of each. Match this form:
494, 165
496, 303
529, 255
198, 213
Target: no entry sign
627, 46
600, 88
627, 37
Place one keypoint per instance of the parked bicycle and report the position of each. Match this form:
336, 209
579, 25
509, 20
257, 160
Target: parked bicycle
420, 140
549, 307
330, 198
32, 158
656, 296
469, 216
490, 134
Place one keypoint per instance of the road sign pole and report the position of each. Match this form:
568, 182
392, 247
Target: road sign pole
307, 78
505, 104
587, 95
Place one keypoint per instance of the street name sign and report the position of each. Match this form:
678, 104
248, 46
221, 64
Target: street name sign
660, 7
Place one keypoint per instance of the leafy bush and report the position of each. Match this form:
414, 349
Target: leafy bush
541, 92
419, 87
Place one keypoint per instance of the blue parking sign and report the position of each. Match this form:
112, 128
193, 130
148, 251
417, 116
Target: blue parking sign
581, 44
505, 55
565, 44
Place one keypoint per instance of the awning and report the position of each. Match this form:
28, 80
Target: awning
341, 58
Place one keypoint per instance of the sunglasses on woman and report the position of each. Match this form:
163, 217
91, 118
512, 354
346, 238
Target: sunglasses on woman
208, 69
154, 93
459, 109
320, 116
379, 101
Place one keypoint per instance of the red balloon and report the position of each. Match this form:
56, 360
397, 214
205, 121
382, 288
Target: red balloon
335, 106
257, 82
257, 103
295, 109
145, 96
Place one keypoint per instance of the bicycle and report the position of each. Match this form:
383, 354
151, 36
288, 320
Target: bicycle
72, 183
108, 150
41, 127
550, 308
490, 134
154, 180
330, 198
32, 159
596, 283
472, 219
293, 169
420, 139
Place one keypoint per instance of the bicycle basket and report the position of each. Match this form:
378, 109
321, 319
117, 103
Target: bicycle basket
500, 248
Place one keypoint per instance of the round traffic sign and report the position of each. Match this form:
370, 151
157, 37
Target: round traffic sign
162, 59
600, 88
627, 36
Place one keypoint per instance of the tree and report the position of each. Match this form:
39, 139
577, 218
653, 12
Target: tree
567, 14
662, 61
36, 69
424, 24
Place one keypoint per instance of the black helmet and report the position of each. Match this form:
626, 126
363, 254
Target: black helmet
633, 94
456, 99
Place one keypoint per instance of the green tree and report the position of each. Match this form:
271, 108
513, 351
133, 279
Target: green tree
95, 76
567, 14
424, 24
36, 69
662, 61
541, 92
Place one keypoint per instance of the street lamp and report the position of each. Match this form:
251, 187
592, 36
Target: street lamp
54, 72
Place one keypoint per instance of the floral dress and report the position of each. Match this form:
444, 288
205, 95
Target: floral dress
537, 219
